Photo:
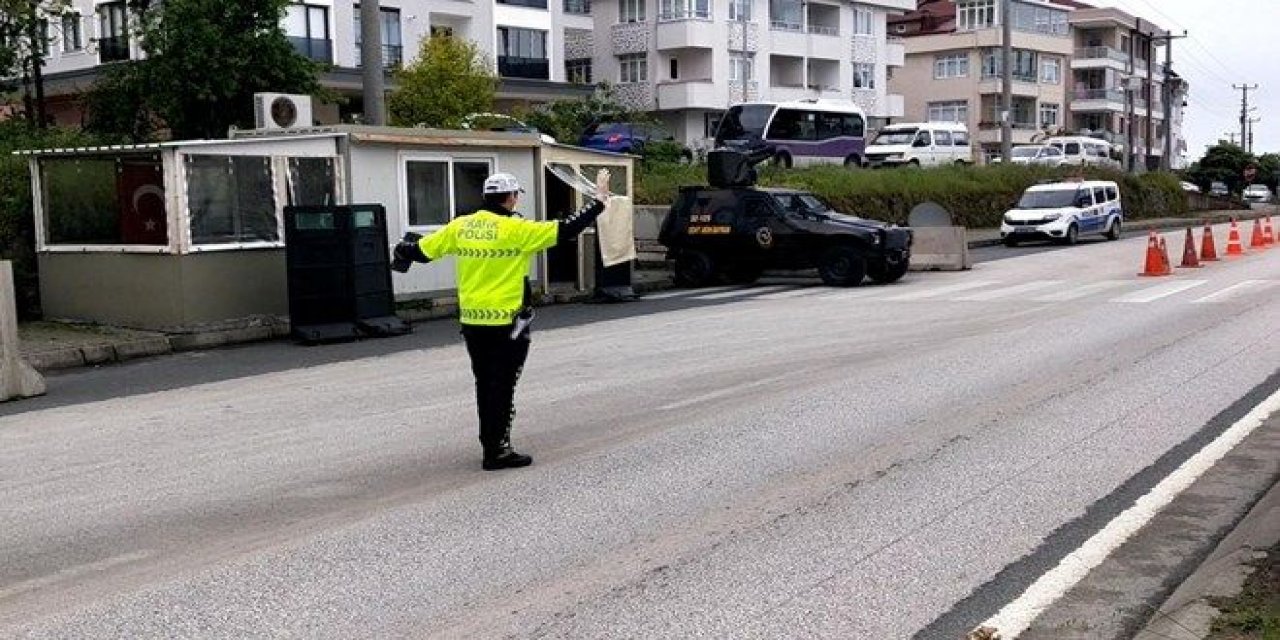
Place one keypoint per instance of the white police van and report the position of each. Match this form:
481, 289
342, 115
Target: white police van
1063, 211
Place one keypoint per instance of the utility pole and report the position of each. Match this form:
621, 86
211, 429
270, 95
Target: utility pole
1006, 79
375, 99
1249, 144
37, 36
1244, 109
1166, 162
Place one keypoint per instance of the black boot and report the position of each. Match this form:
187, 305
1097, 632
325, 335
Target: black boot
505, 458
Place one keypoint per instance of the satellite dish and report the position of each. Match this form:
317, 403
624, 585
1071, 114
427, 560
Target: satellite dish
929, 214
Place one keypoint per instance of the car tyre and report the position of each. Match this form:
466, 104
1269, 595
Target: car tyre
1073, 235
1113, 231
1011, 243
842, 267
886, 272
694, 269
782, 159
853, 162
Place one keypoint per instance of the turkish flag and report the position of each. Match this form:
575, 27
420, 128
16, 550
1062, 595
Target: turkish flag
140, 189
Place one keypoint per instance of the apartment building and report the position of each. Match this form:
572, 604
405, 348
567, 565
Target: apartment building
527, 40
1118, 83
953, 67
689, 60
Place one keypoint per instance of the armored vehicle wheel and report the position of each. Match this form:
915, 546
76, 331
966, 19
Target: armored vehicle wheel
694, 269
885, 273
742, 273
842, 267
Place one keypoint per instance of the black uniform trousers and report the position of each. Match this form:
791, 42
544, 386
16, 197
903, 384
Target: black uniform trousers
496, 362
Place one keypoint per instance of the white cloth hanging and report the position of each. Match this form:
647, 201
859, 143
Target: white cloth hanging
616, 229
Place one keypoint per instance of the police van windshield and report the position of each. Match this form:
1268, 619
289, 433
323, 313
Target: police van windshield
896, 136
744, 122
1056, 199
801, 202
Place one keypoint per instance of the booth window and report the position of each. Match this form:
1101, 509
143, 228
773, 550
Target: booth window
439, 190
231, 199
104, 201
312, 182
617, 177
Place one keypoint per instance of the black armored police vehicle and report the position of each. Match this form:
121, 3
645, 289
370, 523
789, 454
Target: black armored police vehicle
731, 231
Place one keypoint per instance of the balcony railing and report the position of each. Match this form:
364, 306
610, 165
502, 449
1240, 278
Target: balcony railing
313, 48
392, 55
1018, 125
786, 25
578, 7
1110, 95
675, 15
824, 30
1101, 53
113, 49
534, 4
533, 68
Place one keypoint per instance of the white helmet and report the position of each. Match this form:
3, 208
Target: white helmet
502, 183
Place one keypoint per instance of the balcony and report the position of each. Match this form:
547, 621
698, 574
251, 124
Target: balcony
392, 56
1100, 58
113, 49
313, 48
532, 4
532, 68
686, 34
577, 7
689, 94
679, 14
897, 52
823, 30
1025, 87
989, 132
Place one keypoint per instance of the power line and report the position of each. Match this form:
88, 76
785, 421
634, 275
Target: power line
1215, 58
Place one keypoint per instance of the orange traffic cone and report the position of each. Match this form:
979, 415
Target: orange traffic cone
1164, 257
1256, 241
1157, 259
1267, 235
1208, 250
1189, 259
1235, 248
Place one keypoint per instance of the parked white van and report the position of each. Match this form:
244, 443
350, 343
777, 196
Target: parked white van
1062, 211
1084, 150
922, 144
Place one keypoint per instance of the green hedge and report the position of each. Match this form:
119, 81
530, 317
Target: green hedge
976, 196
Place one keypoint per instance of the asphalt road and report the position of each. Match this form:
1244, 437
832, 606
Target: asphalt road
785, 461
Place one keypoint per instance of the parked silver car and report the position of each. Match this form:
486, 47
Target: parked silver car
1257, 193
1039, 154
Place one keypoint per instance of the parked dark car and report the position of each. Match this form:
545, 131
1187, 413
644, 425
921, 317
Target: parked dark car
733, 231
628, 137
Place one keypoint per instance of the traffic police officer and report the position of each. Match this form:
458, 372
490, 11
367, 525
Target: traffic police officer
494, 246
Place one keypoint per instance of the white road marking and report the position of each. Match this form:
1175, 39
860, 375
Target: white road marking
1082, 291
942, 291
1009, 292
734, 293
1235, 289
1018, 615
1151, 294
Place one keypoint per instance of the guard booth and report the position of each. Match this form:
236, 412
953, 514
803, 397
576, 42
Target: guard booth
575, 266
190, 236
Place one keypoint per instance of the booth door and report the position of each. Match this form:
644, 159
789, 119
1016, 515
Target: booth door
562, 260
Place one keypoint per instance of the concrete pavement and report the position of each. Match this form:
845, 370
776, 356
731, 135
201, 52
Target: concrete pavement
782, 461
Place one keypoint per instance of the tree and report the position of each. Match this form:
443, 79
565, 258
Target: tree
24, 44
204, 61
565, 120
1269, 170
450, 79
1222, 163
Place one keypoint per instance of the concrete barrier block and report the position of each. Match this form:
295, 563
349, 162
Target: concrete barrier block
17, 378
940, 249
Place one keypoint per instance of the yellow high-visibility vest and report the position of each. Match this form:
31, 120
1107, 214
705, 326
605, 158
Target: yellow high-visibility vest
494, 254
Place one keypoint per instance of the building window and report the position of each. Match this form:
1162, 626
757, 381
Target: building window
438, 31
711, 123
522, 53
1039, 19
864, 75
307, 27
863, 21
951, 111
533, 4
631, 11
104, 201
578, 71
786, 15
1024, 64
392, 45
955, 65
634, 68
72, 33
1049, 116
437, 191
1051, 71
113, 22
742, 68
684, 9
578, 7
232, 199
976, 14
739, 10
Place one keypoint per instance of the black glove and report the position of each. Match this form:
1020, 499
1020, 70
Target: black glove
407, 252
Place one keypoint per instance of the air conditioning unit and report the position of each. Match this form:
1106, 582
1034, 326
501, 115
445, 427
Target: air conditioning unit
281, 111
